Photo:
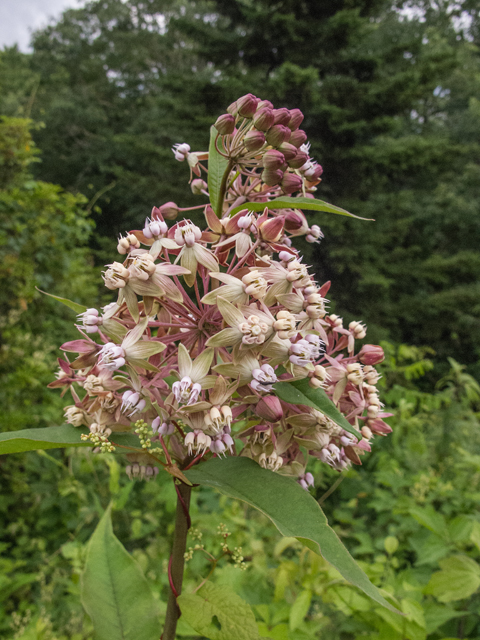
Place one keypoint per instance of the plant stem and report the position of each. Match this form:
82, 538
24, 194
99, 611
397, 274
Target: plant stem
182, 523
223, 187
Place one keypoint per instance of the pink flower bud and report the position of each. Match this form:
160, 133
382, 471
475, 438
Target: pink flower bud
282, 116
247, 105
272, 229
169, 210
288, 150
225, 124
278, 134
264, 103
371, 354
379, 426
254, 140
291, 183
298, 161
270, 409
296, 119
314, 172
272, 177
198, 186
233, 109
263, 119
295, 220
298, 138
273, 160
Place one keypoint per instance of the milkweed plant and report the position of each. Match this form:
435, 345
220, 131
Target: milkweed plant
218, 360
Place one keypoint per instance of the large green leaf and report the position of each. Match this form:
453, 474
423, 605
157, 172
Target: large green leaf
78, 308
217, 165
292, 510
286, 202
458, 579
53, 438
217, 613
114, 590
300, 392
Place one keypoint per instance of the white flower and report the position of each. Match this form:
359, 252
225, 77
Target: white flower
75, 416
90, 320
186, 391
181, 151
255, 284
197, 441
263, 379
132, 402
155, 228
112, 356
142, 266
116, 276
162, 428
187, 234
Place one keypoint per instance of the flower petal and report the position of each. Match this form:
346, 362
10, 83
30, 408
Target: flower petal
201, 365
184, 361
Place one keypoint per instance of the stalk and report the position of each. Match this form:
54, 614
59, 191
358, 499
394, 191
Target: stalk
223, 187
177, 561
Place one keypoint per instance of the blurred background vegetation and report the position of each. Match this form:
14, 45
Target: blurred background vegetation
392, 104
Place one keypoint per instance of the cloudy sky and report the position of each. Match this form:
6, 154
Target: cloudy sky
18, 18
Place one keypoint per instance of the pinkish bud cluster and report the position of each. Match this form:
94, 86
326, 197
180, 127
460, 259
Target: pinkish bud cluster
207, 322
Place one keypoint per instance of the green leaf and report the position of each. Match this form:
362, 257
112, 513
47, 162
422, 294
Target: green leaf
391, 544
292, 510
300, 392
53, 438
217, 613
437, 614
78, 308
430, 519
458, 579
217, 165
300, 609
114, 591
285, 202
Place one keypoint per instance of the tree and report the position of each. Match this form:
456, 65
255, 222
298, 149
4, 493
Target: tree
43, 236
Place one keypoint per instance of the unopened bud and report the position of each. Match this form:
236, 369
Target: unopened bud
272, 229
254, 140
247, 105
277, 135
270, 409
198, 186
264, 119
295, 221
291, 183
298, 160
298, 138
296, 119
225, 124
288, 150
273, 159
371, 354
169, 210
282, 116
272, 178
264, 103
233, 109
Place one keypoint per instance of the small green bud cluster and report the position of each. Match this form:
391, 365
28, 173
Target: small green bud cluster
238, 559
99, 441
143, 431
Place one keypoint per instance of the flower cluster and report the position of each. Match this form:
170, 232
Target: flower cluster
207, 322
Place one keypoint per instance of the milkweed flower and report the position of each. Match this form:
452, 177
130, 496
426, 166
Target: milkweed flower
207, 324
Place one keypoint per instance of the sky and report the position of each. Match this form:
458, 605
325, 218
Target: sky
18, 18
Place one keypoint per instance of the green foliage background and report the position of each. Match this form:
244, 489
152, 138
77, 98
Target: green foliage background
393, 113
